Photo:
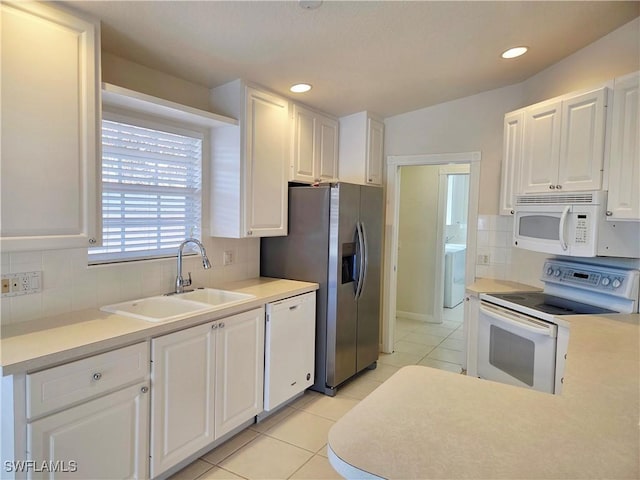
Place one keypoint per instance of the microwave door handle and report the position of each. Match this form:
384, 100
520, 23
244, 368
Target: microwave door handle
515, 320
563, 223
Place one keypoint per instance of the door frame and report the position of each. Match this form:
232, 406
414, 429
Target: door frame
390, 276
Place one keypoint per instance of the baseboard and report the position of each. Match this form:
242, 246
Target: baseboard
422, 317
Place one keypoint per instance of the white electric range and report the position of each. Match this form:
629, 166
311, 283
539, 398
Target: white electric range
521, 338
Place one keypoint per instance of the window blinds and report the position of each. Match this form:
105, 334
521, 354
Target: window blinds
151, 191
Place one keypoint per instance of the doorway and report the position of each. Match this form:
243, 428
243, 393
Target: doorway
402, 246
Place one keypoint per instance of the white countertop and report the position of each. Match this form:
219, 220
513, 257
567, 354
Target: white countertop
427, 423
42, 343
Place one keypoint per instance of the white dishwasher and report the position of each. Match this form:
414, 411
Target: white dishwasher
290, 338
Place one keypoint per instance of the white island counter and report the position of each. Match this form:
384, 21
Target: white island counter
426, 423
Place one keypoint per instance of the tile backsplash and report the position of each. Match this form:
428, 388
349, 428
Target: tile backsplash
69, 284
496, 258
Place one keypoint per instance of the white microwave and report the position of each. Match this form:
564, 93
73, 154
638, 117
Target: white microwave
572, 224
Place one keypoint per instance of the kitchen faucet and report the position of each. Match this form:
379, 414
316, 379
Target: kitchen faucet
181, 282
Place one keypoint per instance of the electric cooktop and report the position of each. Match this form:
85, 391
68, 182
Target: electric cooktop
550, 304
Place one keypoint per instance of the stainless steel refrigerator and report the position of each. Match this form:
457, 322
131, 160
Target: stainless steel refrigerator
335, 240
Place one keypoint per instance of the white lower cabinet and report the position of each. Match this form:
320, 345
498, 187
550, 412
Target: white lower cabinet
90, 418
206, 381
239, 370
103, 438
289, 348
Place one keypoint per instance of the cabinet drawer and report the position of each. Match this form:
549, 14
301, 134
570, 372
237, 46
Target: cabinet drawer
74, 382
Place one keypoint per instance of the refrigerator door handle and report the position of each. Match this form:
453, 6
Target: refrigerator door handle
365, 257
360, 255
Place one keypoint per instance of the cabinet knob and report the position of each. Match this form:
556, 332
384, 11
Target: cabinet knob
221, 324
97, 376
214, 326
552, 187
92, 241
558, 187
144, 389
512, 212
249, 233
609, 213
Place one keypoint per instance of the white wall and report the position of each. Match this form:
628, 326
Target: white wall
417, 241
475, 124
139, 78
68, 284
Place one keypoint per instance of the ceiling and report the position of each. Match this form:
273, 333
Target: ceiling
386, 57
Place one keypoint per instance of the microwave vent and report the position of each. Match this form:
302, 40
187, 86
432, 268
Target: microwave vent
563, 198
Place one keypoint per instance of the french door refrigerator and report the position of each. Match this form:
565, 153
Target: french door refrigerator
335, 240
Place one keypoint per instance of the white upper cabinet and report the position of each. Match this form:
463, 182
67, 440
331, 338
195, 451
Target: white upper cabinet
314, 153
541, 147
361, 149
582, 141
511, 159
50, 128
564, 143
249, 165
624, 157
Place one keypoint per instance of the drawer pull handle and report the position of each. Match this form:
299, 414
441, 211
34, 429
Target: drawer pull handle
144, 389
293, 307
97, 376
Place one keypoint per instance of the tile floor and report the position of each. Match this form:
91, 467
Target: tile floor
291, 444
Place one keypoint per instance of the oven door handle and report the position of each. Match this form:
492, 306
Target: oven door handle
520, 321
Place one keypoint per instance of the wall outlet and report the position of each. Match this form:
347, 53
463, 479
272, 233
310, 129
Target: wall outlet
228, 257
483, 260
24, 283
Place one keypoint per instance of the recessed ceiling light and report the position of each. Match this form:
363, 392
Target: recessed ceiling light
515, 52
300, 88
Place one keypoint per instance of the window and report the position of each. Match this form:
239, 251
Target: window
151, 190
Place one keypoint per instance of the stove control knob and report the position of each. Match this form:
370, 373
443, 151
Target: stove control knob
606, 281
557, 273
616, 283
549, 271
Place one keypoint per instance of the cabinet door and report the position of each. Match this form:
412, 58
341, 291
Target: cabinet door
239, 370
511, 160
623, 201
470, 330
50, 113
105, 438
541, 147
289, 348
582, 142
267, 159
303, 145
327, 149
182, 399
375, 151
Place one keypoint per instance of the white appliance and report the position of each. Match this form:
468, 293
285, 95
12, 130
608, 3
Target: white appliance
290, 337
521, 337
572, 224
454, 273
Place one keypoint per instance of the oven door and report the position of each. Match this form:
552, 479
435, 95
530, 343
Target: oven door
516, 349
